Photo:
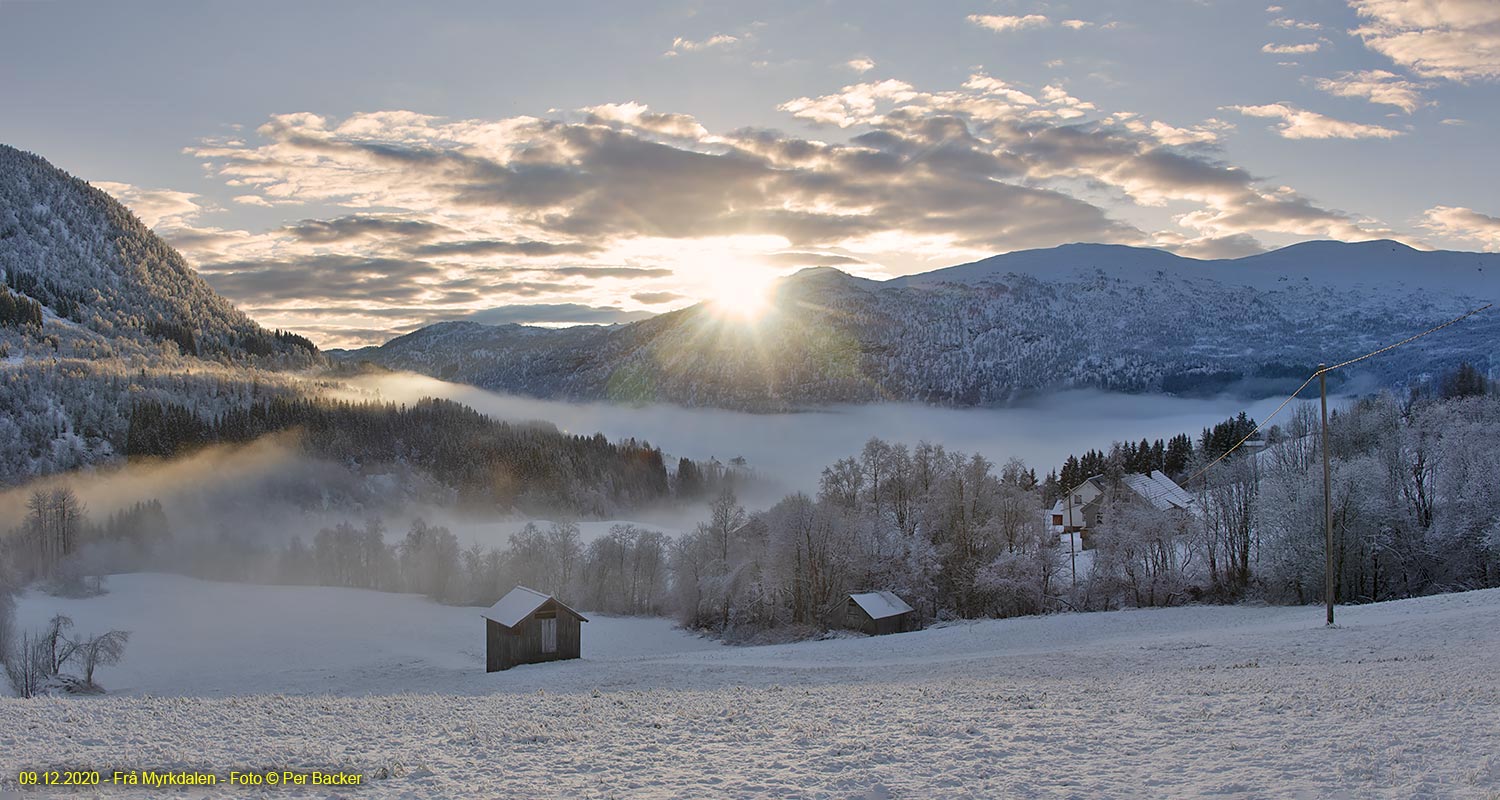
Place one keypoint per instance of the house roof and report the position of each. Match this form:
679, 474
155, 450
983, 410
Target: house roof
1160, 491
880, 605
521, 603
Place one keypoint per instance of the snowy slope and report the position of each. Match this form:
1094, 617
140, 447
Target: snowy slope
1236, 702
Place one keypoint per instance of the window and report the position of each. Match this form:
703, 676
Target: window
549, 635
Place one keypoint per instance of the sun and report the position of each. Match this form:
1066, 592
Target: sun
740, 293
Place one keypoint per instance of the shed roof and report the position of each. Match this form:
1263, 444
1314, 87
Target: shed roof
880, 605
521, 603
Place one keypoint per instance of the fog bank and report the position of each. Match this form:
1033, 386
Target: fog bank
790, 450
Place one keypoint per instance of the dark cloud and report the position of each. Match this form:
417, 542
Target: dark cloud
341, 229
487, 247
564, 313
656, 298
810, 259
328, 277
611, 272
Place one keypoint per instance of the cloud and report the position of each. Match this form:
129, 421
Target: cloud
491, 247
473, 211
1204, 133
1066, 106
811, 259
1290, 49
656, 298
860, 65
1458, 40
682, 45
637, 115
1376, 86
1301, 124
320, 278
1465, 224
359, 226
1232, 246
1001, 23
1076, 24
1296, 24
556, 179
610, 272
165, 208
556, 313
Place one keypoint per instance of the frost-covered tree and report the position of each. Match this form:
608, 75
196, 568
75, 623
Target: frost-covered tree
106, 649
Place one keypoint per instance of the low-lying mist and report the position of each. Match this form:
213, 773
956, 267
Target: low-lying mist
790, 450
269, 491
256, 511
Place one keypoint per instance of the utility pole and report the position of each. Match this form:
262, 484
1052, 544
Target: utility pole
1327, 500
1072, 551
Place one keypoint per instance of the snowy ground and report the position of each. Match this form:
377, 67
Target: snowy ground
1400, 701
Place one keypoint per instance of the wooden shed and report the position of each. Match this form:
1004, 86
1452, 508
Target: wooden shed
878, 613
528, 627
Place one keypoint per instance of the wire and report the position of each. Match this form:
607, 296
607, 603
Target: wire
1324, 371
1403, 341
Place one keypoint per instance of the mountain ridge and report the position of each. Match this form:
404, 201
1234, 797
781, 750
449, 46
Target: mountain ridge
1000, 329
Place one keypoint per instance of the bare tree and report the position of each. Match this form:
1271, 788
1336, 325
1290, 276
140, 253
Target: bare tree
60, 648
26, 665
101, 651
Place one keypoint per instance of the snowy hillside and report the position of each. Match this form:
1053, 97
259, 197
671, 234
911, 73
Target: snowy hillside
109, 316
1219, 701
89, 260
1077, 316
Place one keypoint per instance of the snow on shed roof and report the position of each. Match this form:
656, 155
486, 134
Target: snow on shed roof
880, 605
519, 604
1160, 491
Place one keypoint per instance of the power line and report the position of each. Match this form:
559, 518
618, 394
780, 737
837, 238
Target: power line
1322, 370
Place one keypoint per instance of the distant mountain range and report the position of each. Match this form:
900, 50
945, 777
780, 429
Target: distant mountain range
994, 331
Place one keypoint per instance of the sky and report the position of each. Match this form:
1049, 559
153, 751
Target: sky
355, 170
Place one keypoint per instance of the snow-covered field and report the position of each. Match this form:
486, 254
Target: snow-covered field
1401, 700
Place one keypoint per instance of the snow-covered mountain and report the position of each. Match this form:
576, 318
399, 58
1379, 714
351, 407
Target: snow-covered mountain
89, 261
1103, 316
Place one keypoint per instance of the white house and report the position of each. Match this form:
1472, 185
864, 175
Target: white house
1073, 514
1089, 497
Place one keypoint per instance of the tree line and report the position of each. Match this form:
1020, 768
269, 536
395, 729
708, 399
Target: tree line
490, 464
17, 310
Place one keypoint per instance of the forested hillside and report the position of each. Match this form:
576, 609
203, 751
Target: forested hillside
97, 313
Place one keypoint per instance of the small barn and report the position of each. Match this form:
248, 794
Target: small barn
878, 613
528, 627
